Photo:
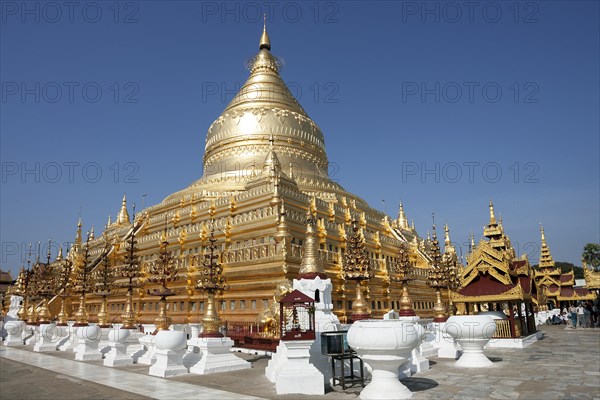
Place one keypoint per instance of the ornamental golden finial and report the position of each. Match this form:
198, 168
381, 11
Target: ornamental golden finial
265, 42
123, 216
311, 265
492, 216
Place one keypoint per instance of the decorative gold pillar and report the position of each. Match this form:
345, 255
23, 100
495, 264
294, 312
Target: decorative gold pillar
129, 317
441, 314
162, 321
81, 316
360, 308
211, 322
406, 306
44, 314
62, 316
103, 316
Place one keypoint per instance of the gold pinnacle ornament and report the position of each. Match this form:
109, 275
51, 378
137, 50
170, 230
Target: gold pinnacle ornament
212, 282
82, 283
437, 278
104, 280
62, 285
162, 270
21, 289
357, 268
130, 271
401, 273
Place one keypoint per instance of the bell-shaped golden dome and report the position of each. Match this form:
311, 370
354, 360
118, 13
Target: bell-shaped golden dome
264, 109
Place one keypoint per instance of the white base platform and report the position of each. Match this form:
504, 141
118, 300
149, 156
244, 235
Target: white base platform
168, 363
216, 356
291, 370
515, 343
87, 351
444, 342
148, 355
117, 355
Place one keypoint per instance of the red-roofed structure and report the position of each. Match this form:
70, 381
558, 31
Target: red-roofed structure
496, 280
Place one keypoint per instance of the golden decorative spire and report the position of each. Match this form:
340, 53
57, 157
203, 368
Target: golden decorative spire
109, 222
311, 265
402, 221
59, 257
546, 260
472, 242
91, 234
446, 235
123, 216
265, 42
78, 234
492, 216
271, 165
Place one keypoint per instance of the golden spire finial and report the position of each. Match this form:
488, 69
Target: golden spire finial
492, 216
265, 42
109, 222
446, 235
91, 234
59, 257
542, 232
472, 237
123, 216
78, 234
402, 221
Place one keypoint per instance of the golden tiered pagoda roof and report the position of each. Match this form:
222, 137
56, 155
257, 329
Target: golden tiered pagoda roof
557, 285
493, 272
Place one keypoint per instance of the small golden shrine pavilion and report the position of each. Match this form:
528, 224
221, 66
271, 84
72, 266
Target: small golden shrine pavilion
496, 280
556, 289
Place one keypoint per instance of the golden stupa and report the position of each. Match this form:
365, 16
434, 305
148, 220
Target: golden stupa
265, 168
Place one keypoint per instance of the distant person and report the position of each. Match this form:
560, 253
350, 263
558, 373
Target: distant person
573, 315
581, 316
595, 315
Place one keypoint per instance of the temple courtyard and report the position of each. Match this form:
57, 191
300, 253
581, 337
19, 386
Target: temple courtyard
565, 364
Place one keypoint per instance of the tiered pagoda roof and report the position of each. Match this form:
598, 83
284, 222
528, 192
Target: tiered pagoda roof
493, 272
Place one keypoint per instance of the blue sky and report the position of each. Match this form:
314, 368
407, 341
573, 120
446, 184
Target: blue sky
443, 105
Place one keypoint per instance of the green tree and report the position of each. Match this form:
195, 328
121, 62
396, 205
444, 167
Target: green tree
591, 255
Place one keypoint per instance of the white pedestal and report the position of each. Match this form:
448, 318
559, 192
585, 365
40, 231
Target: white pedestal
472, 333
298, 375
168, 363
170, 348
14, 331
325, 319
444, 342
216, 356
277, 362
148, 356
88, 338
29, 334
104, 346
67, 338
193, 354
47, 338
87, 351
133, 342
117, 355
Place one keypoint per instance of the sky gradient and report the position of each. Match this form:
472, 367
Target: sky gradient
443, 105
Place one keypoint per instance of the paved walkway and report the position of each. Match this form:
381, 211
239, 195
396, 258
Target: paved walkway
565, 364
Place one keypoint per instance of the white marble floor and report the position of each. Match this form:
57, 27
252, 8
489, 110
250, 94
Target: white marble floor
128, 381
